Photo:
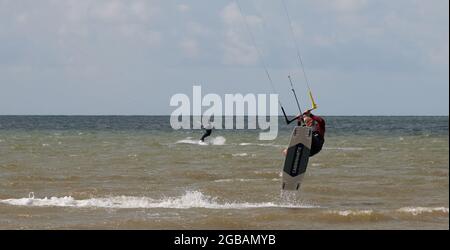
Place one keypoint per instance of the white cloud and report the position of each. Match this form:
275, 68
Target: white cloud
109, 11
349, 5
141, 10
76, 10
123, 11
190, 47
195, 28
135, 32
130, 20
230, 14
237, 51
237, 46
183, 8
53, 41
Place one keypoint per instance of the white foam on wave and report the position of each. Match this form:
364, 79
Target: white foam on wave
346, 148
415, 211
422, 210
219, 141
238, 180
191, 199
216, 141
260, 145
240, 155
189, 141
347, 213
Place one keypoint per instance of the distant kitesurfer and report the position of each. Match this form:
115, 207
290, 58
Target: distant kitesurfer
208, 131
317, 124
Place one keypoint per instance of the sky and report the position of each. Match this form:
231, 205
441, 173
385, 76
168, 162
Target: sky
113, 57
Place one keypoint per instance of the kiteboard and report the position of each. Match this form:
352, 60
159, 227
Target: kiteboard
297, 158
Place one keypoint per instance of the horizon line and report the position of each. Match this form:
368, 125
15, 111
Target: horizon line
138, 115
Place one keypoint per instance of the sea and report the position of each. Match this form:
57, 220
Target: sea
136, 172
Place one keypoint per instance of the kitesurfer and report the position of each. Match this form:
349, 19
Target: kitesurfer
317, 124
208, 131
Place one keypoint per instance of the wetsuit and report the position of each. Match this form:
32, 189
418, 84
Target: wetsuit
318, 135
208, 132
318, 132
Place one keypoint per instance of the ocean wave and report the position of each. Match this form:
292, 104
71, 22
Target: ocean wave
192, 142
346, 148
238, 180
45, 178
10, 166
244, 155
268, 174
423, 210
216, 141
260, 145
371, 215
191, 199
353, 215
347, 213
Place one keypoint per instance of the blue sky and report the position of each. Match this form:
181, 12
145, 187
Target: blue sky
112, 57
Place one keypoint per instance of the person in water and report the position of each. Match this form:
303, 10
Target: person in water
317, 124
208, 131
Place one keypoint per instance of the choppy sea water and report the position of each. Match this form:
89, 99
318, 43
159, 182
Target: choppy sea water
137, 173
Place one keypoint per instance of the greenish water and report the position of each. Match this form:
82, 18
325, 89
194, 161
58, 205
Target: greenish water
137, 173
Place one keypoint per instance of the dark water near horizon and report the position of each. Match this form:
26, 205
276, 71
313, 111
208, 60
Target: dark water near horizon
135, 172
335, 124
